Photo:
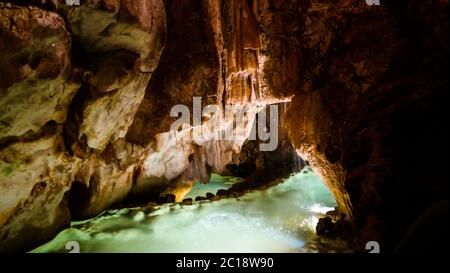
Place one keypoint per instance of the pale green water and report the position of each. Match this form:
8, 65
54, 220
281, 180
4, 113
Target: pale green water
280, 219
217, 182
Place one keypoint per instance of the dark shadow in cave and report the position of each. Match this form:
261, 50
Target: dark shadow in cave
79, 197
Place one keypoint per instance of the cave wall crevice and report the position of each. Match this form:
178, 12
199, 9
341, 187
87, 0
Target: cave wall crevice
370, 109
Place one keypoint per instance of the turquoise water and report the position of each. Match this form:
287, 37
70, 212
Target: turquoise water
280, 219
217, 182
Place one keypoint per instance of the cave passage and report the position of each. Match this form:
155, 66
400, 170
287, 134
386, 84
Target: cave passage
217, 182
279, 219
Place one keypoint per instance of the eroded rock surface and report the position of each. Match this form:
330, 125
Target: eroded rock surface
86, 92
34, 177
34, 70
92, 86
371, 97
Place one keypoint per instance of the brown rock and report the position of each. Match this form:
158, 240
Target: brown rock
222, 192
187, 202
369, 104
29, 196
358, 119
325, 227
124, 40
216, 197
169, 198
34, 69
108, 25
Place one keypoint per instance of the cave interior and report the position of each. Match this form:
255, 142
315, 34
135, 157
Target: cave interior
283, 126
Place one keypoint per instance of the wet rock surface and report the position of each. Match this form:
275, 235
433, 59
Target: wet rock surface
281, 219
64, 78
85, 95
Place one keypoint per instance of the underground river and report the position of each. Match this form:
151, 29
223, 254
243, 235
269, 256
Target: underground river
279, 219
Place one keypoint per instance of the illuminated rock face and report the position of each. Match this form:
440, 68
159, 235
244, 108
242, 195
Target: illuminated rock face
35, 92
35, 176
93, 105
112, 95
83, 100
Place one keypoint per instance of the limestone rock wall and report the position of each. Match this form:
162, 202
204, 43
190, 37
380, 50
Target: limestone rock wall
72, 79
86, 91
369, 113
101, 79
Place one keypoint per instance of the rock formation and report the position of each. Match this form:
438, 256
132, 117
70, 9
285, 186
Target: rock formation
86, 94
370, 110
72, 80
